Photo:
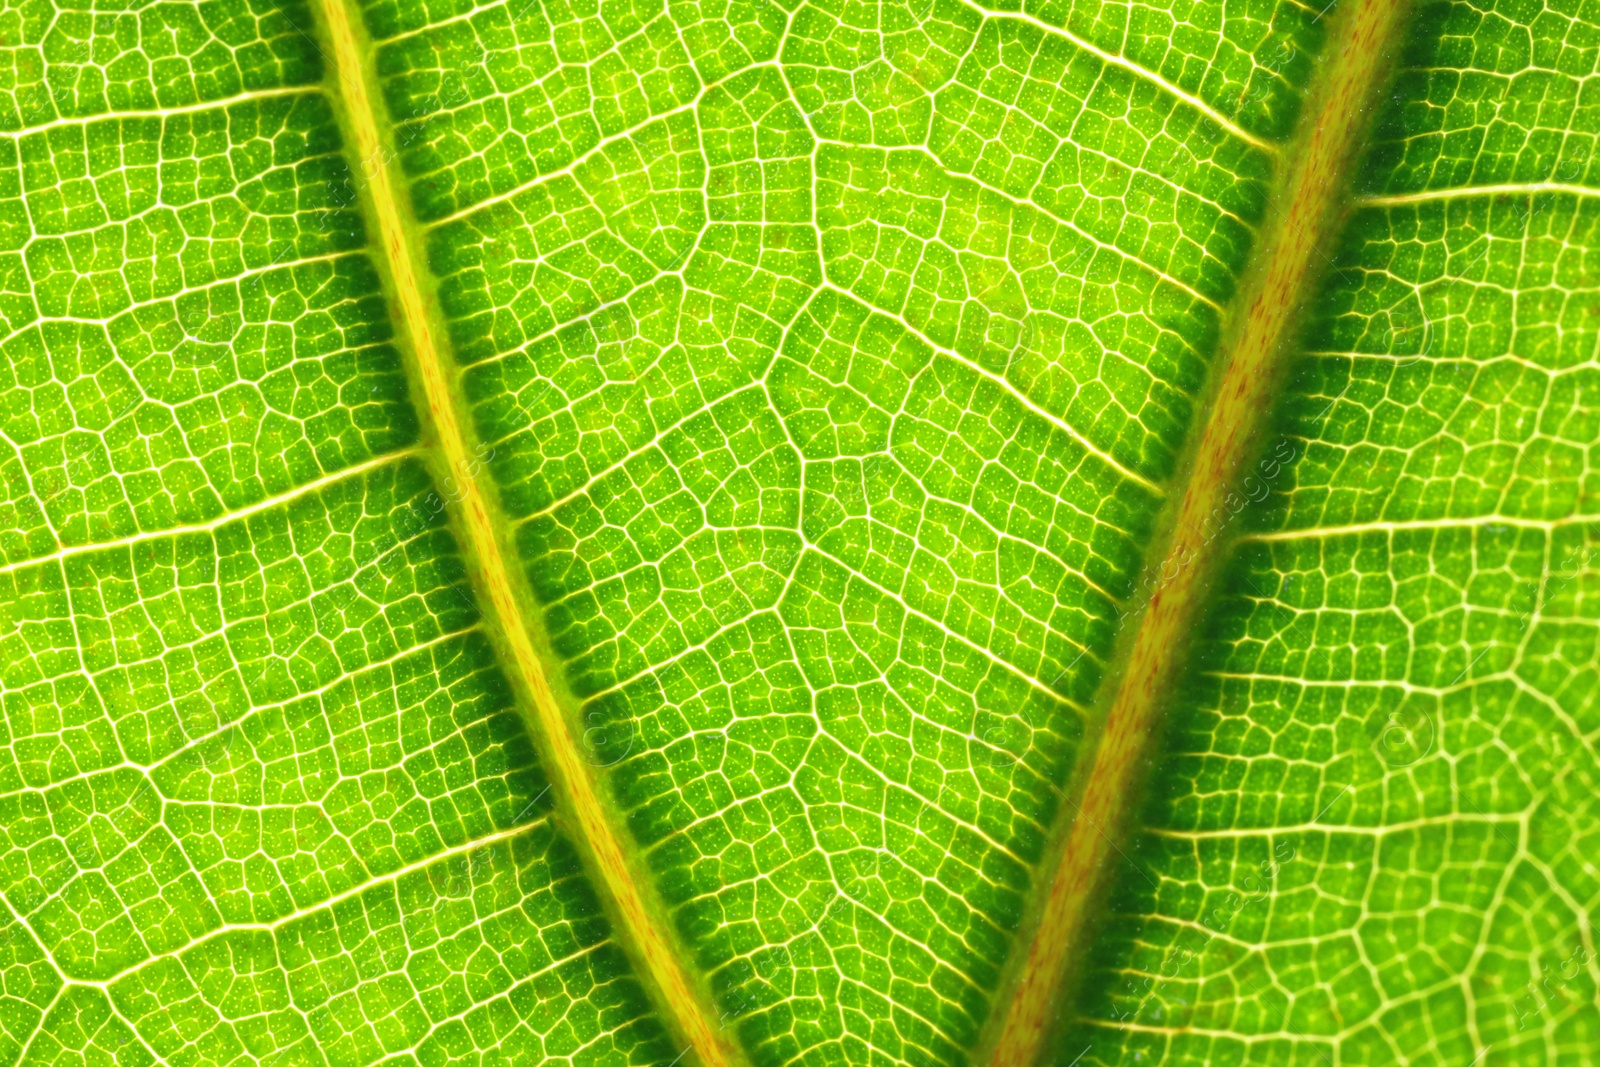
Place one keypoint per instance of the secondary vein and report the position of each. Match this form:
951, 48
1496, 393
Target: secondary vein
474, 514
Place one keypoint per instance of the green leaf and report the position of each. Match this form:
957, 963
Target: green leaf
762, 532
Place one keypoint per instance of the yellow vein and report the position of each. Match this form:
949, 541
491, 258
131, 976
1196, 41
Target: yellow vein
568, 766
265, 504
271, 926
1012, 390
1069, 223
255, 710
1468, 191
1450, 823
1287, 259
433, 27
1416, 525
177, 294
165, 112
1144, 73
570, 168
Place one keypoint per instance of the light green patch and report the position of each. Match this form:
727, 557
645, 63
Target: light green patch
832, 366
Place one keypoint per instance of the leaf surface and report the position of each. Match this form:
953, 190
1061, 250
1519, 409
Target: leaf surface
769, 418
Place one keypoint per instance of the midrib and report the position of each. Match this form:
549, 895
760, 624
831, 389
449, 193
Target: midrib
475, 518
1304, 216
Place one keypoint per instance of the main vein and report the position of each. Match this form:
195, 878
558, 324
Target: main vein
568, 770
1290, 249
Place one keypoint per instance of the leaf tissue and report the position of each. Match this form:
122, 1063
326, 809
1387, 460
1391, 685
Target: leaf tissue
799, 532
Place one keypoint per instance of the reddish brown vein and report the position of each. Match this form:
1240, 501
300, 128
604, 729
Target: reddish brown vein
1291, 248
